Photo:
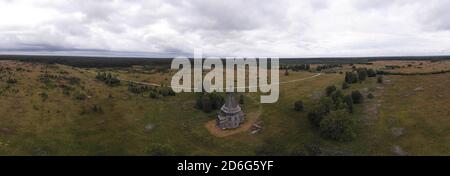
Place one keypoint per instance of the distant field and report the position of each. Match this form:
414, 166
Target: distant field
409, 114
409, 66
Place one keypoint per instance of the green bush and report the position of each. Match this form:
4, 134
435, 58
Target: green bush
345, 85
108, 79
362, 75
241, 99
330, 89
339, 126
298, 106
349, 102
317, 113
371, 73
159, 150
337, 96
357, 97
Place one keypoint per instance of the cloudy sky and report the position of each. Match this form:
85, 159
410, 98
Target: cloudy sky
284, 28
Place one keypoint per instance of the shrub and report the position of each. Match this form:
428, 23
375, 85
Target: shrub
345, 85
349, 102
207, 106
330, 89
337, 96
166, 91
108, 79
209, 101
357, 97
316, 115
351, 77
159, 150
298, 106
153, 95
241, 99
371, 73
362, 75
338, 125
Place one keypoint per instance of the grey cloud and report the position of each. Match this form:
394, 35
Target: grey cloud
289, 28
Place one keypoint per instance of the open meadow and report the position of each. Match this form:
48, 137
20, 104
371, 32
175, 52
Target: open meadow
55, 109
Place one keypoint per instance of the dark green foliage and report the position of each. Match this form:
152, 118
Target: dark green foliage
319, 111
357, 97
351, 77
296, 67
207, 104
330, 90
157, 149
138, 89
166, 91
153, 95
298, 106
370, 96
209, 101
345, 85
362, 75
349, 102
241, 99
371, 73
339, 126
337, 96
108, 79
327, 66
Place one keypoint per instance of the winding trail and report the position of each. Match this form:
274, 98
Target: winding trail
158, 85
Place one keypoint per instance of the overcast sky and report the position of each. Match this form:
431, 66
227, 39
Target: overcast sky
283, 28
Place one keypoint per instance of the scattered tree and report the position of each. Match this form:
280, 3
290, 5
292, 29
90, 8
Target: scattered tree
298, 106
357, 97
241, 99
330, 90
338, 125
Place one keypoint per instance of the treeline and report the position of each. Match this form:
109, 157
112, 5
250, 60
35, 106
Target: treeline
327, 66
90, 62
296, 67
413, 74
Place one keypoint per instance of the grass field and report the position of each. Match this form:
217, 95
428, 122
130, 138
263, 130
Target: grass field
410, 115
